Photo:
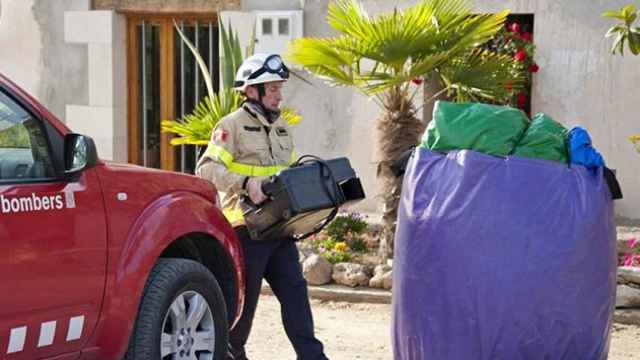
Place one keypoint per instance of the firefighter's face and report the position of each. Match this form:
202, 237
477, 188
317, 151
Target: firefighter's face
272, 97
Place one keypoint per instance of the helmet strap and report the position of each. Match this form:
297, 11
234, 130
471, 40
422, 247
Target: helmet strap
261, 91
270, 115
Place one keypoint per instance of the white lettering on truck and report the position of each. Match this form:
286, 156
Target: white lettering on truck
31, 203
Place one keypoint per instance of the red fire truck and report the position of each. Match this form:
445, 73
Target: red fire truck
100, 260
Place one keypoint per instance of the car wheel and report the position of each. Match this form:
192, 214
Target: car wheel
182, 315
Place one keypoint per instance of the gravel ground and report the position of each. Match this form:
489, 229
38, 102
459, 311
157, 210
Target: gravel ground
361, 331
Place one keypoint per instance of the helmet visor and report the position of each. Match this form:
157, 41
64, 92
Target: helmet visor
274, 65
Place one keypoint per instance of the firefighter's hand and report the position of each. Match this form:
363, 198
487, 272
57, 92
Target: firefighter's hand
254, 188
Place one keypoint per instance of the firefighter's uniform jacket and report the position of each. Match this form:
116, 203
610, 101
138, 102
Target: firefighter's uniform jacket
244, 144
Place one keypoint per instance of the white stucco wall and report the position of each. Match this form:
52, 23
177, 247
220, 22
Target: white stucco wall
23, 62
580, 83
35, 55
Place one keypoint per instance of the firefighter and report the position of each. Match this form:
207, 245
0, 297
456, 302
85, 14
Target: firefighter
246, 147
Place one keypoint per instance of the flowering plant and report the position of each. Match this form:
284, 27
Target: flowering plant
513, 41
349, 228
632, 257
330, 249
343, 236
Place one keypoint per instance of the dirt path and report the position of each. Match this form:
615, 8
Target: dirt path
361, 331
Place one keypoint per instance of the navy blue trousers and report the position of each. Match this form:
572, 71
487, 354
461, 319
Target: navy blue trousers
277, 261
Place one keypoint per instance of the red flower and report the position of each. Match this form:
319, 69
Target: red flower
514, 28
527, 36
417, 81
522, 100
521, 55
534, 68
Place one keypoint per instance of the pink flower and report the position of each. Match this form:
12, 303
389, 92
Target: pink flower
527, 36
534, 68
514, 28
628, 260
521, 55
632, 243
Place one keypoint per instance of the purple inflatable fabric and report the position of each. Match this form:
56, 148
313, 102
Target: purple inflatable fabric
502, 258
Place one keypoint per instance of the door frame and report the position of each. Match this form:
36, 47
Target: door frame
167, 83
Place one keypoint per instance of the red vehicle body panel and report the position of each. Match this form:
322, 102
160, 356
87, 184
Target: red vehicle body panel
125, 217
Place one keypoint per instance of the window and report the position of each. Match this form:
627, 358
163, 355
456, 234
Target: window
24, 151
267, 25
283, 27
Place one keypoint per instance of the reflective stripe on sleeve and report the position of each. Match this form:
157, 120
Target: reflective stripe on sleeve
218, 152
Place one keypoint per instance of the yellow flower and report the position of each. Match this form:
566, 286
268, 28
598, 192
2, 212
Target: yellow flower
341, 246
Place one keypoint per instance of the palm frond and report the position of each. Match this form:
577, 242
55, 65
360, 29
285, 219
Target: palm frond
201, 63
196, 128
481, 75
321, 57
350, 18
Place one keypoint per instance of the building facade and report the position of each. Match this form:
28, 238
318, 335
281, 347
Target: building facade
113, 69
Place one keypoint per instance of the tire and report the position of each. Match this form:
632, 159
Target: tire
176, 289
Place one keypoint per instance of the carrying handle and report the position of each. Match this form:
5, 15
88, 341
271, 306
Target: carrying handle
308, 159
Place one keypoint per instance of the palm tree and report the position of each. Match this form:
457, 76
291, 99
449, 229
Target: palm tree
435, 40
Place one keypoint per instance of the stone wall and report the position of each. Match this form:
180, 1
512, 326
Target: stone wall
166, 5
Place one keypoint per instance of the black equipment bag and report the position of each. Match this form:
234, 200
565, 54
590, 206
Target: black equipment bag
302, 199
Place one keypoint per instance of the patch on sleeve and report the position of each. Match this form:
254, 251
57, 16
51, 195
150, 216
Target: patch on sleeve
220, 135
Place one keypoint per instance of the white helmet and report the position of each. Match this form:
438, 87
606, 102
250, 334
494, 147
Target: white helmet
260, 69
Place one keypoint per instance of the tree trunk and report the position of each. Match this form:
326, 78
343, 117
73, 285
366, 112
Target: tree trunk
432, 86
398, 130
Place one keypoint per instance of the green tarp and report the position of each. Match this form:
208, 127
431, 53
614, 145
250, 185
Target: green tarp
489, 129
544, 139
494, 130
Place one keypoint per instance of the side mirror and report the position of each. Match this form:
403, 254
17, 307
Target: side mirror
79, 154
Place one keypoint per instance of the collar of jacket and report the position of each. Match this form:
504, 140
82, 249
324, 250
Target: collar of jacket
256, 112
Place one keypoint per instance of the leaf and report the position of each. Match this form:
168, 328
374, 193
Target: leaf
251, 48
618, 44
634, 43
614, 30
226, 60
482, 75
628, 10
201, 63
614, 14
196, 128
291, 116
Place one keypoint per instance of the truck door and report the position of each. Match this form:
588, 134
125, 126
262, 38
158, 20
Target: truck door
52, 242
